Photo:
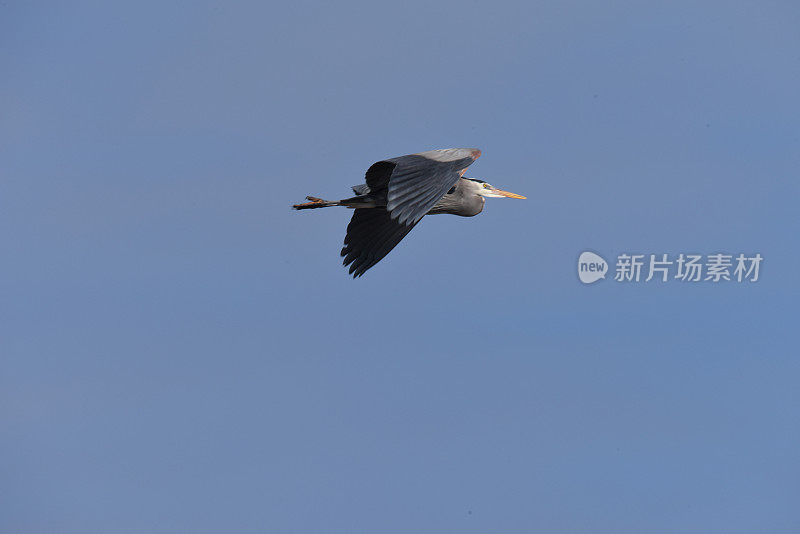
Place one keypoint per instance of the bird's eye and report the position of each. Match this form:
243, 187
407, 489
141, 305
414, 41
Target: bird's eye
486, 186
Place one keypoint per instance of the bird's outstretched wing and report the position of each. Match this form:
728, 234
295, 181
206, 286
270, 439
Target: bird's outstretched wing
416, 182
413, 184
371, 235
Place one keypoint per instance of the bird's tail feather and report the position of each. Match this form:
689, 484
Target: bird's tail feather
316, 203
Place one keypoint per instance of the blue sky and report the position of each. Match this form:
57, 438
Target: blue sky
179, 351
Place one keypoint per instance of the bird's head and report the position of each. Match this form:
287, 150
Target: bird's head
485, 189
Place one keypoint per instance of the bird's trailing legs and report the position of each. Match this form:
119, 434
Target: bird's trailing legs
316, 203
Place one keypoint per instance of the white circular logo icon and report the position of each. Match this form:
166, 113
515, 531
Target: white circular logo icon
591, 267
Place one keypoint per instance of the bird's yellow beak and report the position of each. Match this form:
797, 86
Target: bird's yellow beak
507, 194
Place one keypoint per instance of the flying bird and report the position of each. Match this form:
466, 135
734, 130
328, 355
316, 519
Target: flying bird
398, 193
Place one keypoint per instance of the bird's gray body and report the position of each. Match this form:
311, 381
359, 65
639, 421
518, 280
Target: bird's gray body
459, 199
400, 191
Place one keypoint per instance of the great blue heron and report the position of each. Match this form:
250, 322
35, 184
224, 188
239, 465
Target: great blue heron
399, 192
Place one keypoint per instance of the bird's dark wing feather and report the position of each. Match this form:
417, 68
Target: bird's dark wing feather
371, 235
378, 174
418, 181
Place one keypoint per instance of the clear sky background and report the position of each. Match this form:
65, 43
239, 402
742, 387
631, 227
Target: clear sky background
181, 352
